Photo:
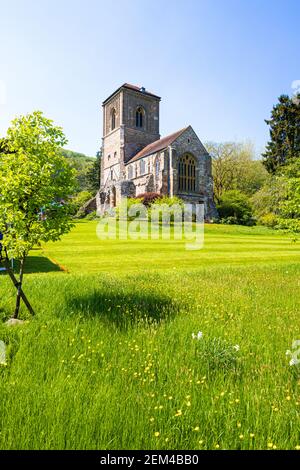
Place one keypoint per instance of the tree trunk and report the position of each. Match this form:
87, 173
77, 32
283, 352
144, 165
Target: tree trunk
19, 288
16, 284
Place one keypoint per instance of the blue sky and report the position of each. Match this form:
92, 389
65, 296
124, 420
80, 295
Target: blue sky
218, 65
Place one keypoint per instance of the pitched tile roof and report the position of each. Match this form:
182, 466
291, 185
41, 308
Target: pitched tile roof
158, 145
134, 88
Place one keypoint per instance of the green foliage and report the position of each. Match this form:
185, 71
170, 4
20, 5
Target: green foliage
132, 206
4, 147
267, 200
289, 208
79, 200
217, 354
167, 207
83, 165
268, 219
277, 204
35, 182
168, 201
92, 216
235, 208
93, 174
284, 144
234, 167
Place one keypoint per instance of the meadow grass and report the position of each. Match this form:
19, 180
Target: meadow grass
109, 361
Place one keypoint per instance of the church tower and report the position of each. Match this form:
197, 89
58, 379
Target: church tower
130, 122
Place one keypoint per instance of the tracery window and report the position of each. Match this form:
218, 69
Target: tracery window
187, 173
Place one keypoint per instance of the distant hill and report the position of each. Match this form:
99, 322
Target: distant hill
82, 164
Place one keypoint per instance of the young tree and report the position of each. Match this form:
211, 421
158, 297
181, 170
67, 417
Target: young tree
93, 174
284, 144
289, 208
82, 165
266, 202
35, 184
235, 168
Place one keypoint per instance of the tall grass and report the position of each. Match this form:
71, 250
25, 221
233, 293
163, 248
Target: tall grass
110, 362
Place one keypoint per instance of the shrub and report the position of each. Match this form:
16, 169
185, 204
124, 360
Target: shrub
269, 220
235, 208
148, 198
267, 200
217, 354
78, 201
130, 202
92, 216
167, 202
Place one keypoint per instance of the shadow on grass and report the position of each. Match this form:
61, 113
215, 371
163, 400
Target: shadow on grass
40, 264
37, 264
124, 310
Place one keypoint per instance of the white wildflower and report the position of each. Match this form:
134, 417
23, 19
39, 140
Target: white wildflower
293, 362
199, 335
236, 347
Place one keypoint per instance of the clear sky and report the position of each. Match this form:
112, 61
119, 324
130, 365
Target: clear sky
219, 65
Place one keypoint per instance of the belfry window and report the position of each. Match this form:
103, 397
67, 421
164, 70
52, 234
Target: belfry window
113, 119
139, 117
187, 174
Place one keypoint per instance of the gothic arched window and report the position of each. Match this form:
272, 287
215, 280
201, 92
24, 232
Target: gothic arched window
113, 119
187, 174
139, 117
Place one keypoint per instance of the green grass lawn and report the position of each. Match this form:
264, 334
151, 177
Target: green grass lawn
109, 361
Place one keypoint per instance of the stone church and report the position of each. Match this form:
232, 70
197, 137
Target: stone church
136, 160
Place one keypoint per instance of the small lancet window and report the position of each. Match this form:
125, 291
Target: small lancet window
139, 117
113, 119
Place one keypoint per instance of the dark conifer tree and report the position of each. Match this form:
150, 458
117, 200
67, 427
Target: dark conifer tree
284, 144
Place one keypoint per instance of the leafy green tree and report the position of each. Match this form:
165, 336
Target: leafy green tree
235, 167
266, 201
284, 144
94, 173
35, 184
4, 146
289, 208
82, 165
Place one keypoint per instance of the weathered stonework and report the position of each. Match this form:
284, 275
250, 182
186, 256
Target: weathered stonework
135, 160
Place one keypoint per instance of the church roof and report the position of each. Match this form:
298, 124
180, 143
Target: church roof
139, 89
158, 145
